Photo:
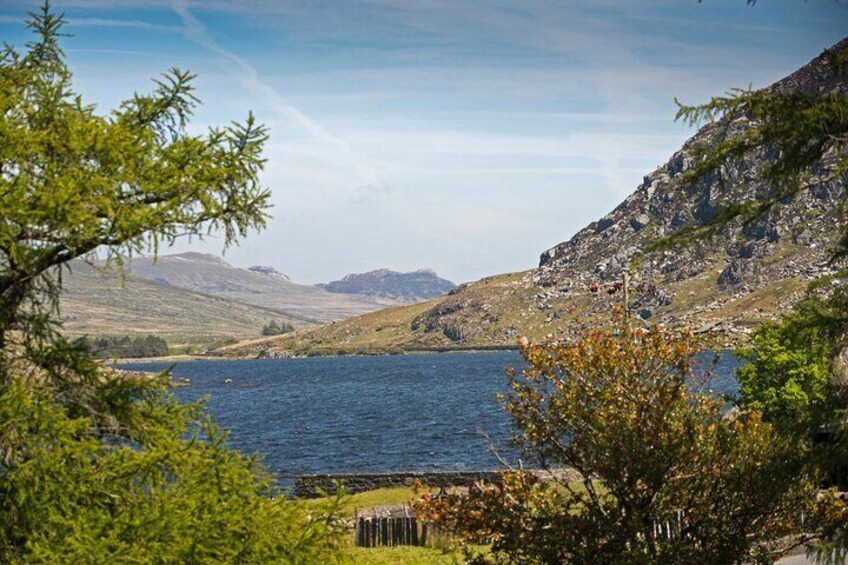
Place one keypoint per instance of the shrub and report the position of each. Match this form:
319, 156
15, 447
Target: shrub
277, 328
157, 486
627, 413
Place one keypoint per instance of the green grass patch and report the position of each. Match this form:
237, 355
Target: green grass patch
380, 497
403, 555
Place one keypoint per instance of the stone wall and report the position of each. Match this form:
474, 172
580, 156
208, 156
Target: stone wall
308, 486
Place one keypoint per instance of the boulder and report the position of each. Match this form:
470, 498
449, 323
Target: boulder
639, 221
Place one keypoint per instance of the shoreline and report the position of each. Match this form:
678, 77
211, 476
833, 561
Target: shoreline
410, 350
164, 359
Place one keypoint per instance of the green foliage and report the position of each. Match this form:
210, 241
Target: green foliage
166, 491
792, 377
790, 371
127, 347
787, 377
98, 467
623, 408
73, 181
277, 328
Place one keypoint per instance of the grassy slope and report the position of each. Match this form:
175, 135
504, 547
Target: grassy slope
390, 330
394, 555
501, 308
403, 556
95, 304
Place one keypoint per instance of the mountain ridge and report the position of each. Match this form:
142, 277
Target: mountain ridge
259, 285
745, 275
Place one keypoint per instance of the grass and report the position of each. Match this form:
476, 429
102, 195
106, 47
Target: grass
379, 497
404, 555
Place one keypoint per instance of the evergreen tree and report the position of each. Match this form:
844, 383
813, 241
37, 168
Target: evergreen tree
96, 466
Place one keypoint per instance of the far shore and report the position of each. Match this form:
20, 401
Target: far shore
165, 359
377, 352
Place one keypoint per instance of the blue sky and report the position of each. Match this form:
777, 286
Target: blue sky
462, 135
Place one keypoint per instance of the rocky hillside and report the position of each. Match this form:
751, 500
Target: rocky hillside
737, 279
407, 287
260, 286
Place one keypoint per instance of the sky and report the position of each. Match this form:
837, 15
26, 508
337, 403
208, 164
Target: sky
466, 136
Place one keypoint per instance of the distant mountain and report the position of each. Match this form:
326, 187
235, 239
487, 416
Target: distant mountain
408, 287
260, 286
745, 275
101, 304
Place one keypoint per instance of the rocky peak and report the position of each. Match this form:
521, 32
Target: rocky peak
415, 286
269, 272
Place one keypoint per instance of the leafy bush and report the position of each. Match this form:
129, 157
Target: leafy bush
787, 376
158, 486
625, 411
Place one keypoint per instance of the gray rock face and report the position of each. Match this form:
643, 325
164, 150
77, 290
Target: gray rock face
269, 271
737, 272
639, 221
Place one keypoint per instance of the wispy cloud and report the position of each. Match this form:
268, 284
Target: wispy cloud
252, 81
170, 57
105, 22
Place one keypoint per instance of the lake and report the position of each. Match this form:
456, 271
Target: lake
365, 414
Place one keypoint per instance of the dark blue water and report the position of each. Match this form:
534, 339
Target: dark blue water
365, 414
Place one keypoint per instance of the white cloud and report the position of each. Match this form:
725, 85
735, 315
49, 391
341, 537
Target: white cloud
105, 22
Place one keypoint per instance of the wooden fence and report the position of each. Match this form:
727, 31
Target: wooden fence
374, 531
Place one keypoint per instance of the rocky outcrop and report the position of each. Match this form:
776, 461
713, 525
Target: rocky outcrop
409, 287
269, 272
